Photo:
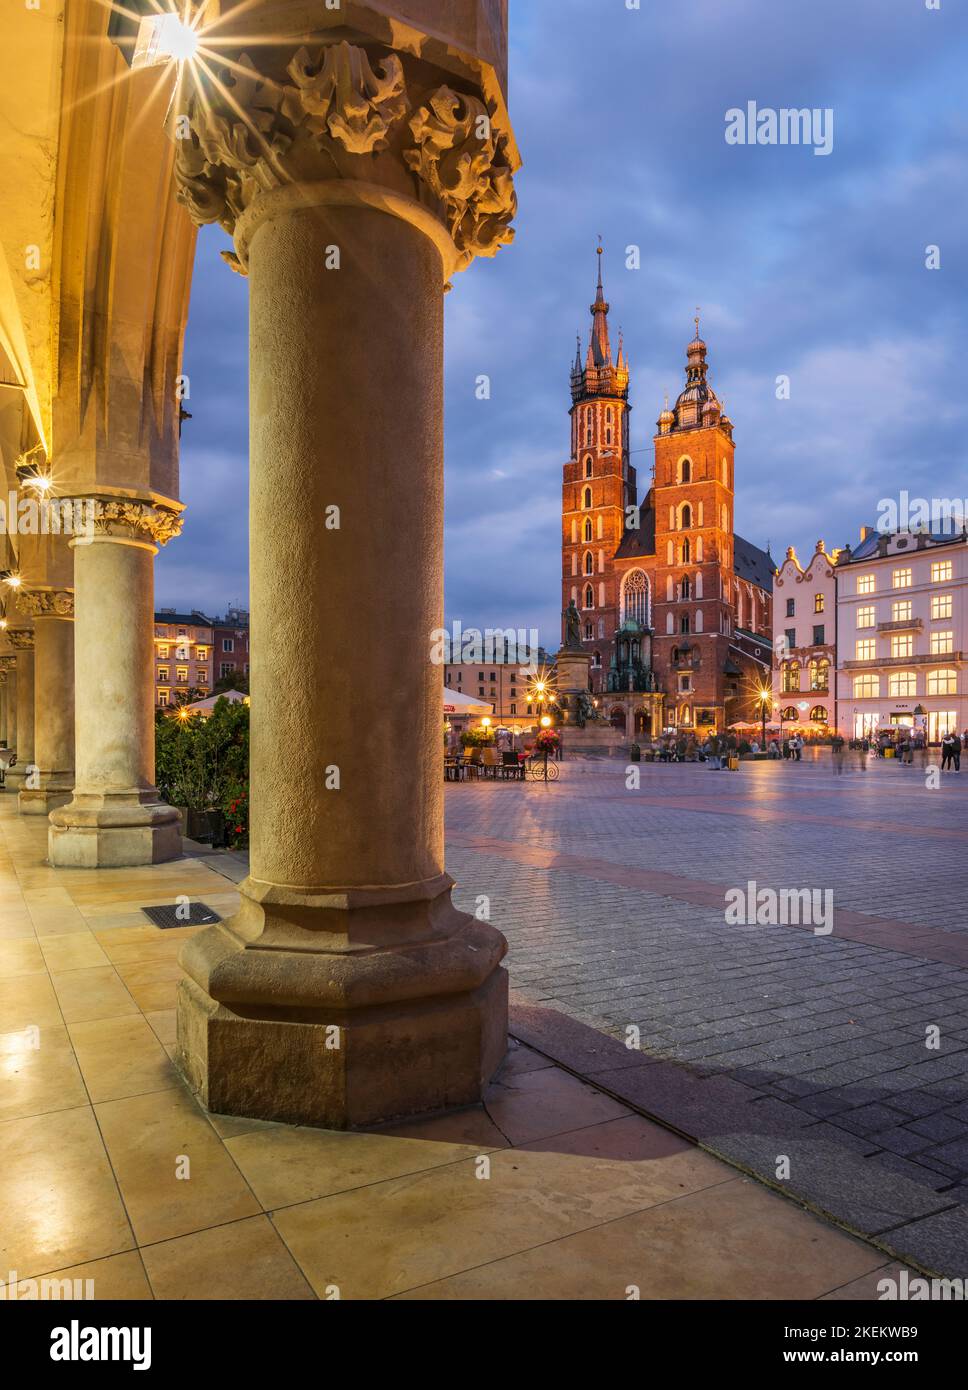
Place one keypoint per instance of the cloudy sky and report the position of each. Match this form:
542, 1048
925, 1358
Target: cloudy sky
804, 265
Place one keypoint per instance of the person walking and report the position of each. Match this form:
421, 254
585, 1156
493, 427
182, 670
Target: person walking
947, 751
956, 750
837, 752
714, 760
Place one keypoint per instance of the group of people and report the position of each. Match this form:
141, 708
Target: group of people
908, 743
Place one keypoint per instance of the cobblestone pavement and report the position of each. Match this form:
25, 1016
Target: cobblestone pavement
844, 1054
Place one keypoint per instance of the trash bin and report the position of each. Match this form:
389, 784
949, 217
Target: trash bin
635, 753
733, 763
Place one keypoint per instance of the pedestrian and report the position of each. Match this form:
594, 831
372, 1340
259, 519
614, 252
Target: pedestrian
714, 759
786, 749
837, 749
956, 740
947, 751
796, 743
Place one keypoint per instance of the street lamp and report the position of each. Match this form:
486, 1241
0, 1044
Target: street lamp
765, 698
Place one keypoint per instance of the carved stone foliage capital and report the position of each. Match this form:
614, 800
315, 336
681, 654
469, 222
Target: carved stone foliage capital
46, 603
341, 112
133, 520
21, 637
7, 663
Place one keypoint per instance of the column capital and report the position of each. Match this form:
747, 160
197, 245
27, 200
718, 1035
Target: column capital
339, 123
21, 637
46, 603
130, 520
7, 663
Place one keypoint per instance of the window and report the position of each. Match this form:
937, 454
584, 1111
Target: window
514, 709
685, 589
586, 499
791, 607
942, 643
818, 634
684, 624
865, 583
589, 596
942, 682
181, 632
163, 698
818, 714
940, 606
685, 518
866, 616
685, 685
685, 471
588, 466
791, 713
939, 723
201, 653
790, 636
596, 658
227, 668
589, 632
819, 603
901, 611
163, 653
941, 572
589, 563
181, 675
588, 529
228, 644
635, 598
867, 687
163, 674
902, 646
865, 649
902, 579
820, 675
686, 552
902, 683
791, 677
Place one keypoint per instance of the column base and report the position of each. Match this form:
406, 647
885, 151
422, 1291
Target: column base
97, 832
56, 789
342, 1035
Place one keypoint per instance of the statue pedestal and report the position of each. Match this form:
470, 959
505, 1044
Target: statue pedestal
573, 672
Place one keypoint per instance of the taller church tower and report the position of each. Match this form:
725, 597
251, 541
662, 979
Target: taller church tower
599, 482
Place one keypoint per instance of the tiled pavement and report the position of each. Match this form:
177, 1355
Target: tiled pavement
110, 1172
763, 1042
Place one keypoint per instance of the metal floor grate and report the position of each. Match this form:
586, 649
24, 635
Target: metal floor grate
181, 915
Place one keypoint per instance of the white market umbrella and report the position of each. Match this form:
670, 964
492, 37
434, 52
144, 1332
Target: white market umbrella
459, 704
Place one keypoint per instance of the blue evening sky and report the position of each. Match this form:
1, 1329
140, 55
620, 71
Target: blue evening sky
805, 265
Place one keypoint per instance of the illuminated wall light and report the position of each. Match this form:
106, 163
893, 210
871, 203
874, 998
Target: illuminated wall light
163, 38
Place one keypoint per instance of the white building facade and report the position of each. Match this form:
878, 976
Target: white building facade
805, 643
902, 634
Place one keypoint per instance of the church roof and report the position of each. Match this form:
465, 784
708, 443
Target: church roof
754, 564
642, 540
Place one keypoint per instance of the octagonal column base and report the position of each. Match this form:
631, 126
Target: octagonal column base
353, 1016
98, 832
54, 791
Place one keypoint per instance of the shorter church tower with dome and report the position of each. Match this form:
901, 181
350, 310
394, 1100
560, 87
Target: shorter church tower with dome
675, 608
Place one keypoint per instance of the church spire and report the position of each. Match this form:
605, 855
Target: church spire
600, 349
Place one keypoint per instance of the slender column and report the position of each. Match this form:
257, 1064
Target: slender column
3, 704
23, 640
12, 696
53, 614
348, 988
115, 817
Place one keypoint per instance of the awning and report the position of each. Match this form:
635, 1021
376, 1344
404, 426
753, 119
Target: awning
458, 704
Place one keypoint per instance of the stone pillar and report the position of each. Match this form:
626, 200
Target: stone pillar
23, 640
53, 614
3, 703
348, 989
115, 817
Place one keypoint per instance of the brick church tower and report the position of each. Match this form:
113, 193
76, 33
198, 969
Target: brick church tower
599, 482
675, 608
694, 539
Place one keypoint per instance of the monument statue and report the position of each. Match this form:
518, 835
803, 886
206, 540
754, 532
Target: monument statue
572, 628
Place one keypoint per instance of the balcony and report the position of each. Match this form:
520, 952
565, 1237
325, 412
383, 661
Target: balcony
887, 662
902, 625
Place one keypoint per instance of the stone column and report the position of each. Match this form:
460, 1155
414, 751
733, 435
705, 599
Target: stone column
348, 989
53, 614
23, 640
3, 702
115, 817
